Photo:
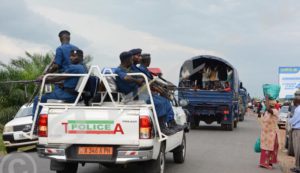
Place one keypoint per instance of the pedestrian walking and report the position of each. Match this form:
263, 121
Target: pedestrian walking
295, 123
269, 136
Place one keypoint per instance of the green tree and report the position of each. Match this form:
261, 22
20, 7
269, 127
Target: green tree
13, 96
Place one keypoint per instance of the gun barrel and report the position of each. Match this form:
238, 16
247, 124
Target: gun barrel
18, 81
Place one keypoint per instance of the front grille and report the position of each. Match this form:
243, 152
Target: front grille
19, 128
72, 154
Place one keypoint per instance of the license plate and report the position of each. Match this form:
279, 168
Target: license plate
95, 151
19, 136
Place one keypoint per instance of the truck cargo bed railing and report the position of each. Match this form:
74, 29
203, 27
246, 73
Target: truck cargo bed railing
95, 71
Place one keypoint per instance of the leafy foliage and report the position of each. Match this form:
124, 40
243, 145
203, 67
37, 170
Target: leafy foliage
13, 96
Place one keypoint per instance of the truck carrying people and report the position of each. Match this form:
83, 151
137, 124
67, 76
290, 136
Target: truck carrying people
121, 130
211, 86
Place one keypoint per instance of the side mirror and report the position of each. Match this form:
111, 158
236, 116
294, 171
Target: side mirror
183, 102
241, 85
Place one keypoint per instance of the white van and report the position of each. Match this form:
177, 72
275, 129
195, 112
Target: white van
13, 137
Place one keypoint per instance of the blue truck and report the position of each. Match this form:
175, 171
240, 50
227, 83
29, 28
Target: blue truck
211, 86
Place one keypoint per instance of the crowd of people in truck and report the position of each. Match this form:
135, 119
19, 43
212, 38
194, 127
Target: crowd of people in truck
210, 76
69, 59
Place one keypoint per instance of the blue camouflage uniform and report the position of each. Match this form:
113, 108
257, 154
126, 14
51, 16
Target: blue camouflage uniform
62, 56
134, 69
162, 105
122, 85
145, 70
67, 93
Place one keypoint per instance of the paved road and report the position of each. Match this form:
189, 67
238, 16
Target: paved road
210, 150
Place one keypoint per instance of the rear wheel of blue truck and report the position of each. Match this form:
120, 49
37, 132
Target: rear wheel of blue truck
179, 153
194, 122
227, 127
235, 122
158, 165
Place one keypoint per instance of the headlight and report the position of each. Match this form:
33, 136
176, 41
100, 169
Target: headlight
8, 129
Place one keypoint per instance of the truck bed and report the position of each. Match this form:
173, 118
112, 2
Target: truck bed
196, 97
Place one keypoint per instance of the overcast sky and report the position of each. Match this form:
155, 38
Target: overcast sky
255, 36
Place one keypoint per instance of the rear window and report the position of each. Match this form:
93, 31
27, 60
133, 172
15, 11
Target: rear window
24, 112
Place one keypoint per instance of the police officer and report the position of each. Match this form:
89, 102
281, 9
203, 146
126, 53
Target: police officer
136, 57
127, 84
62, 54
145, 63
67, 92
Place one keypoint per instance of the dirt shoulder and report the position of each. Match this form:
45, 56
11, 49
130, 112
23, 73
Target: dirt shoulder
286, 162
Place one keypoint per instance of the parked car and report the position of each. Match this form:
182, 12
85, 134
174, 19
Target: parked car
283, 116
13, 137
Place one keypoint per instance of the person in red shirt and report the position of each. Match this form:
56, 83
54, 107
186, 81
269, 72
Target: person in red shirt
227, 87
277, 105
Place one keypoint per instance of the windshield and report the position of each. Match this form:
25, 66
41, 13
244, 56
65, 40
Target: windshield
24, 112
284, 109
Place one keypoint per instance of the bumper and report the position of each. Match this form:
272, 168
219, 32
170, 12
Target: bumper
21, 144
9, 141
282, 123
122, 155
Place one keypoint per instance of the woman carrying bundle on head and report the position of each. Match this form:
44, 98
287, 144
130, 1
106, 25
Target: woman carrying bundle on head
269, 129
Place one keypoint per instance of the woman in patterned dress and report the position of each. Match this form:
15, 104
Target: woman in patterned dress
269, 137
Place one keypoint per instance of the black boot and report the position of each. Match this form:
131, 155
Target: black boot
163, 127
173, 125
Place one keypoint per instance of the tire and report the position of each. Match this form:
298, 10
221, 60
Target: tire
69, 168
195, 122
11, 149
179, 153
230, 127
158, 165
227, 127
235, 123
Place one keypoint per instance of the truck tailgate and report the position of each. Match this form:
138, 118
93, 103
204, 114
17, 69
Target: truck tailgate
93, 126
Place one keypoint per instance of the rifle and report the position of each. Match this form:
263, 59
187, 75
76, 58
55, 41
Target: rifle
37, 87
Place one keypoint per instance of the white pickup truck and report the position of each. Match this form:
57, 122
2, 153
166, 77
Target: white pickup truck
115, 132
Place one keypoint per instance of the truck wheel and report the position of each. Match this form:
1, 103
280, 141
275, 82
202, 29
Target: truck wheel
230, 127
179, 153
69, 168
195, 122
235, 122
11, 149
158, 165
227, 127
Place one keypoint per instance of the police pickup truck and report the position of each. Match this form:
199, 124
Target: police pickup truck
116, 130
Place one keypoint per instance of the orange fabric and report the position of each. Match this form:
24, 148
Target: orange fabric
269, 130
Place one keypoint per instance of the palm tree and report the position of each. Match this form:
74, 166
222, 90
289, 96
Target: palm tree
12, 96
